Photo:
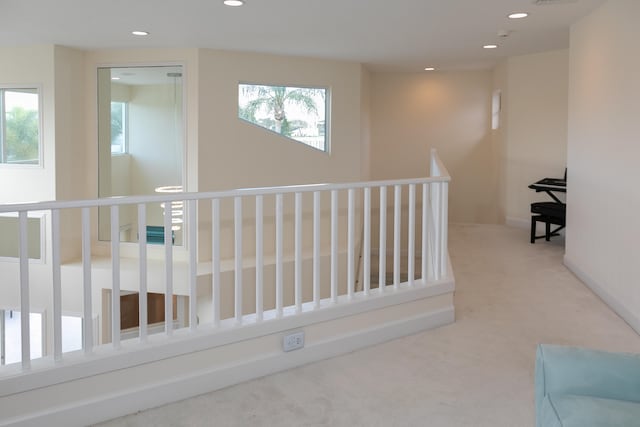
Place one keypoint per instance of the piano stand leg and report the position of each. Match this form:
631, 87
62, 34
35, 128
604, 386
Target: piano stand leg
548, 232
533, 229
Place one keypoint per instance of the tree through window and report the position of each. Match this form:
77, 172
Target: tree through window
294, 112
19, 126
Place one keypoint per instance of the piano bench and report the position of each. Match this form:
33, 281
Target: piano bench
551, 209
549, 213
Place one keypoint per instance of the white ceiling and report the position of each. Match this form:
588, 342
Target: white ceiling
384, 34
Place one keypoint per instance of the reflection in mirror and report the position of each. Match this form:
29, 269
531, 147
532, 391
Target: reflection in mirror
140, 140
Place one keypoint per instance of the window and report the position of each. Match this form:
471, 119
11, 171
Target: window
119, 122
294, 112
19, 126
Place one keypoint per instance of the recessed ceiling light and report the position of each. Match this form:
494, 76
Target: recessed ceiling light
233, 2
429, 69
140, 33
490, 46
518, 15
115, 78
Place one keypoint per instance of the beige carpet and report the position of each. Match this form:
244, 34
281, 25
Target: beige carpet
510, 296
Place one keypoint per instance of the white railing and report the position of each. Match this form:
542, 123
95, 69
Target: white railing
206, 221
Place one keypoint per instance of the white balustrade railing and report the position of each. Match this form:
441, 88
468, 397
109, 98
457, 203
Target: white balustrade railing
426, 201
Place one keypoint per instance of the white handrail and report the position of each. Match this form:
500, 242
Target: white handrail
337, 287
438, 169
174, 197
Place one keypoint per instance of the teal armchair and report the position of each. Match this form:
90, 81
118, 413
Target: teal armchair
580, 387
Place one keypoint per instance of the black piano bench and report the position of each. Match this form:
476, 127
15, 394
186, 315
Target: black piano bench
549, 213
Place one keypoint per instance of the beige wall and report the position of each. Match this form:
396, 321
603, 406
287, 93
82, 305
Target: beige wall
499, 134
70, 142
231, 153
365, 123
31, 66
449, 111
58, 73
236, 154
534, 93
603, 201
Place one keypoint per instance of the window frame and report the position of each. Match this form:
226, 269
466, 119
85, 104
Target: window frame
327, 112
38, 91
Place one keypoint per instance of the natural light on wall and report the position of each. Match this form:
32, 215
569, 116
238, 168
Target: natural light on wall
294, 112
496, 107
19, 126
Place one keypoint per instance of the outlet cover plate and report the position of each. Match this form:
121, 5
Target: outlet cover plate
293, 341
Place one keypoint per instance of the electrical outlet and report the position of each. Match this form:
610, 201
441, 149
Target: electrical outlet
293, 341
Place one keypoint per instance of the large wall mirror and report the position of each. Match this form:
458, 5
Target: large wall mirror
141, 144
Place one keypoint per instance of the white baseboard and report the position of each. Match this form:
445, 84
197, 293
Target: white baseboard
518, 222
197, 383
631, 318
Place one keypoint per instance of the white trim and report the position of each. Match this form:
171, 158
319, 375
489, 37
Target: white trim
631, 318
518, 222
132, 353
196, 383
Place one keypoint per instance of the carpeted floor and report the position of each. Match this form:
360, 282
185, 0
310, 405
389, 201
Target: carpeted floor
510, 296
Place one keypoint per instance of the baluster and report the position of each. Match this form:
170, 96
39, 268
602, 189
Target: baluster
57, 285
168, 260
396, 235
350, 243
298, 252
237, 202
444, 204
382, 261
192, 227
367, 241
425, 229
215, 260
316, 249
279, 231
25, 309
334, 246
259, 258
115, 277
437, 227
412, 234
142, 254
87, 330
